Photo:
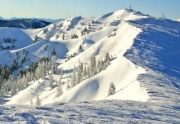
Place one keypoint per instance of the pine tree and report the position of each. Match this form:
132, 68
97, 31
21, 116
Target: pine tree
13, 85
73, 78
59, 88
85, 72
89, 25
59, 91
35, 39
53, 64
63, 37
68, 84
79, 75
24, 80
85, 30
53, 53
107, 59
88, 72
51, 80
93, 66
38, 101
112, 89
80, 49
82, 33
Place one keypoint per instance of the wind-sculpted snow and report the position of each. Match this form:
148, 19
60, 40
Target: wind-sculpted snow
157, 49
99, 112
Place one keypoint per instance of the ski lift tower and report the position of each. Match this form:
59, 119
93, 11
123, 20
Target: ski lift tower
163, 16
129, 7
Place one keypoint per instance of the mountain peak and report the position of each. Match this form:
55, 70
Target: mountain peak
1, 18
122, 14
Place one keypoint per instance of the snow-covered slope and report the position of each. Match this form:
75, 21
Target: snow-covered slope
144, 67
21, 38
98, 112
93, 88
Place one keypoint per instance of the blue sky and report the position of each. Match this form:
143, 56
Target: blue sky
86, 8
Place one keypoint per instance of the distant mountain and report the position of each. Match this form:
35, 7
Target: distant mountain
178, 20
1, 18
24, 23
49, 20
44, 19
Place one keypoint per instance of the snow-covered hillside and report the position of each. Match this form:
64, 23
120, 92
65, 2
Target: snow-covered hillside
94, 44
143, 67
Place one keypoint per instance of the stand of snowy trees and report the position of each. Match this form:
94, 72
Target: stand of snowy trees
34, 72
82, 71
48, 68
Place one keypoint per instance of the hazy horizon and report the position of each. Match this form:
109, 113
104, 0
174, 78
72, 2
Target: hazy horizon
56, 9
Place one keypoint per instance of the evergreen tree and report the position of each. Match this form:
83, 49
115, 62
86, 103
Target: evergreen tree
107, 59
35, 39
68, 84
112, 89
85, 72
51, 80
59, 88
80, 48
53, 53
63, 36
85, 30
15, 65
74, 36
88, 72
82, 33
53, 64
89, 25
38, 101
93, 66
79, 75
73, 78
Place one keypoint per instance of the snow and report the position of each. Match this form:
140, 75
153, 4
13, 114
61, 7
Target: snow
109, 111
14, 33
144, 69
178, 20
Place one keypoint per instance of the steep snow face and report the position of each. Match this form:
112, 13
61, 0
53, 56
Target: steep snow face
156, 49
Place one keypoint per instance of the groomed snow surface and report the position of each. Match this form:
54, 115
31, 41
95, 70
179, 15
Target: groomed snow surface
147, 85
